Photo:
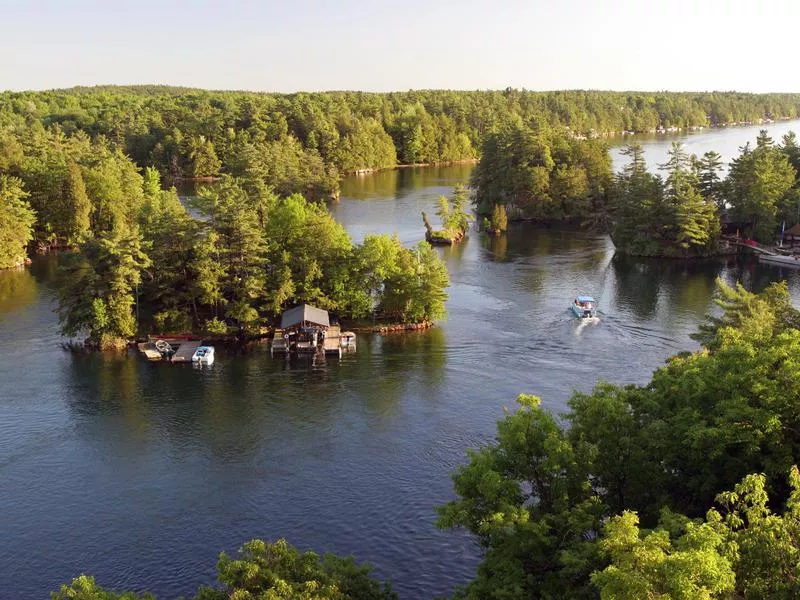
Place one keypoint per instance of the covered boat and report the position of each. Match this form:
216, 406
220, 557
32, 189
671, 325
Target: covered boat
204, 355
583, 307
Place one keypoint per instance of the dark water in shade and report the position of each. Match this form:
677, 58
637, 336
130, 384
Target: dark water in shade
141, 473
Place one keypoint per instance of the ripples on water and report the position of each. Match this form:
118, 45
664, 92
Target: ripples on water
141, 473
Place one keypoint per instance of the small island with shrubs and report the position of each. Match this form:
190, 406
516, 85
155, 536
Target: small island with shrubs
454, 218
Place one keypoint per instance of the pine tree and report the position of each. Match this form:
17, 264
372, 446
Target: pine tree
16, 222
75, 207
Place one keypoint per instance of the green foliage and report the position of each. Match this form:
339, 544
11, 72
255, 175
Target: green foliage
278, 571
414, 291
265, 571
759, 182
743, 549
528, 501
16, 222
214, 325
75, 208
309, 253
499, 222
757, 316
652, 566
97, 289
540, 156
541, 174
709, 182
656, 217
453, 216
251, 256
203, 158
765, 545
84, 588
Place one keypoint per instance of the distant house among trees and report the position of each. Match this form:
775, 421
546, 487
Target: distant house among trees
791, 237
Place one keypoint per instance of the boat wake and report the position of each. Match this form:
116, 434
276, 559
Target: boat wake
586, 322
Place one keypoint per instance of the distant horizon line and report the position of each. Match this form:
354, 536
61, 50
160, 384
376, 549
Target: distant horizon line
396, 91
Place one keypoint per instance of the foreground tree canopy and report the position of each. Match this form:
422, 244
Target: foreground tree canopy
691, 458
265, 571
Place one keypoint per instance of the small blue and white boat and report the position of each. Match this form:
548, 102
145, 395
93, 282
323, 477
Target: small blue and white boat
583, 307
204, 355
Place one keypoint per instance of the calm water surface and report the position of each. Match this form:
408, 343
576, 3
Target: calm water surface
726, 141
141, 473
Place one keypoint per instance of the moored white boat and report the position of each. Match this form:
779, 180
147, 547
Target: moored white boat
204, 355
584, 307
347, 339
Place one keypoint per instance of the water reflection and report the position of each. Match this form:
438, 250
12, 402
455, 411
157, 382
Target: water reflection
18, 289
253, 395
497, 246
398, 183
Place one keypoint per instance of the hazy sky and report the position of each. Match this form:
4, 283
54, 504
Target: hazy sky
746, 45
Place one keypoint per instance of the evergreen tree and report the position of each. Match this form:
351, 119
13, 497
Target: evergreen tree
709, 181
696, 221
203, 158
759, 182
98, 288
75, 207
16, 222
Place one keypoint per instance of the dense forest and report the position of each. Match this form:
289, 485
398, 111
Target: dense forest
686, 487
531, 171
681, 214
311, 138
74, 153
84, 169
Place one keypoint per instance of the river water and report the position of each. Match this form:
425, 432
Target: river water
141, 473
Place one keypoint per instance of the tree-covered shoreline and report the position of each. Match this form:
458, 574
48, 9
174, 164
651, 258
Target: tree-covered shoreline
83, 170
537, 173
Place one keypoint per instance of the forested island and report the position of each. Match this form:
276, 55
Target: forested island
88, 170
686, 487
534, 172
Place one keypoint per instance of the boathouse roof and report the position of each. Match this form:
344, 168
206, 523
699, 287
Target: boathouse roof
305, 313
793, 231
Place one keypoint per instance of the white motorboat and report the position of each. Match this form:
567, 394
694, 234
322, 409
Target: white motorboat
584, 307
204, 355
347, 339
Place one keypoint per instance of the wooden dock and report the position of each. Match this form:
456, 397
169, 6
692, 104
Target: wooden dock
331, 345
185, 351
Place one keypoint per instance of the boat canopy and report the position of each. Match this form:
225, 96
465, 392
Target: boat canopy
305, 313
585, 299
